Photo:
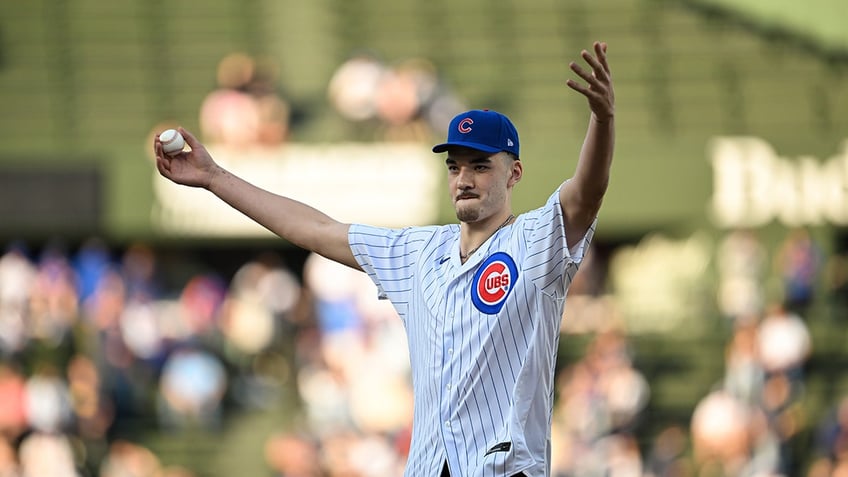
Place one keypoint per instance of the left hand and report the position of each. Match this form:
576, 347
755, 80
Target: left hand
599, 90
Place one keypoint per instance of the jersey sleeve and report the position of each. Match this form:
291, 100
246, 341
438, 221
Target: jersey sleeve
549, 261
388, 256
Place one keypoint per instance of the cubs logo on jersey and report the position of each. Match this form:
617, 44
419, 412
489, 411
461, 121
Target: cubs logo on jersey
492, 283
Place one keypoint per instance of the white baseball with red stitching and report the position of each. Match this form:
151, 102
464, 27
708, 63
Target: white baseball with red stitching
172, 141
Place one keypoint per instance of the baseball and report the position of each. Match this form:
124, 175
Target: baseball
172, 141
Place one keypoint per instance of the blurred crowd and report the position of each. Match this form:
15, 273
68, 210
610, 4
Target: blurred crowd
247, 107
381, 101
95, 345
403, 101
95, 348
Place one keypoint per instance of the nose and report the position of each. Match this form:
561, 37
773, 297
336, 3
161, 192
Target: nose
464, 179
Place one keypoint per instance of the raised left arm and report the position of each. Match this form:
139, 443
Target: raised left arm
582, 196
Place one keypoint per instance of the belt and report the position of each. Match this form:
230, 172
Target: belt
446, 472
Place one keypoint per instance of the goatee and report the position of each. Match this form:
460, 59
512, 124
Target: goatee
467, 215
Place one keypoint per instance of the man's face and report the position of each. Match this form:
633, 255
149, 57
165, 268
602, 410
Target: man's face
480, 183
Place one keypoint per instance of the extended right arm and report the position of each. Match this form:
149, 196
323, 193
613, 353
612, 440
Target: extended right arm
294, 221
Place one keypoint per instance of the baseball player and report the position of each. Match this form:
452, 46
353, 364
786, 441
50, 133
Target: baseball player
481, 300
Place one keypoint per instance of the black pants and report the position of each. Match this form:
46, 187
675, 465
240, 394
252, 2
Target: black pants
446, 473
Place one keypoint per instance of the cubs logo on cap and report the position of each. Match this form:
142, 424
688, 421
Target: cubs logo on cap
483, 130
492, 283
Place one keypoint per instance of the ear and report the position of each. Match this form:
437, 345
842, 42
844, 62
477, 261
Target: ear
517, 171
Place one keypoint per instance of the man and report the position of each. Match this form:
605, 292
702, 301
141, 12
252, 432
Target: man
481, 300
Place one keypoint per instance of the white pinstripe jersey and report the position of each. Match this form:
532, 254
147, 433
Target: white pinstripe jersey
482, 335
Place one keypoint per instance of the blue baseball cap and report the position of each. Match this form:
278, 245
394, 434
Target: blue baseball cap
482, 130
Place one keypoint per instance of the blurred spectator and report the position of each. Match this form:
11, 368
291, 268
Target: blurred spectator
127, 459
720, 434
354, 85
836, 285
53, 304
246, 109
744, 374
90, 264
48, 401
784, 344
200, 303
93, 412
350, 454
402, 93
139, 269
372, 455
667, 455
229, 115
17, 276
769, 453
272, 107
741, 262
47, 454
406, 102
8, 459
831, 438
289, 455
781, 420
13, 412
141, 330
192, 387
798, 262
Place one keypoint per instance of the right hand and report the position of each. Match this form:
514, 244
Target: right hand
194, 168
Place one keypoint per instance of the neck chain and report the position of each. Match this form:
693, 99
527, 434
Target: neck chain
471, 252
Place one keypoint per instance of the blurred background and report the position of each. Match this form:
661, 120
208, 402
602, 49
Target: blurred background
148, 330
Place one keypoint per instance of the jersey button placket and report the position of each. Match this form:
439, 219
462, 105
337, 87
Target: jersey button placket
445, 378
